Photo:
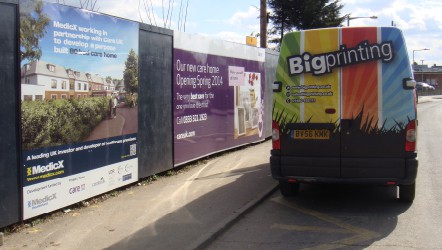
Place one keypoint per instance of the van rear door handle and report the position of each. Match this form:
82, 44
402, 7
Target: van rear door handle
330, 111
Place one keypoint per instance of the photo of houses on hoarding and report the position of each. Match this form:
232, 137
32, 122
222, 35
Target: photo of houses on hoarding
68, 53
42, 80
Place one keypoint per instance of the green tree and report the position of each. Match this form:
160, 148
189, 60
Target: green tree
303, 14
33, 24
130, 75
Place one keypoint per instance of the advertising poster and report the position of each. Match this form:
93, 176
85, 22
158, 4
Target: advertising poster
78, 104
218, 96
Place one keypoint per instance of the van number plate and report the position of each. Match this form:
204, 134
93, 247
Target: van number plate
311, 134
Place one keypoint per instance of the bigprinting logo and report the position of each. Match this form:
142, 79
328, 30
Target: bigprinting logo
40, 202
45, 171
320, 64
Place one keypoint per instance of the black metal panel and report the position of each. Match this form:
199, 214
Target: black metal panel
271, 63
9, 113
155, 127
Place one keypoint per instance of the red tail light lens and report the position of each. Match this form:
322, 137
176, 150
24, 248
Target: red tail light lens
411, 136
276, 143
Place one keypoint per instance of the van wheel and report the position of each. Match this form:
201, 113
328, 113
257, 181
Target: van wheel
407, 192
288, 189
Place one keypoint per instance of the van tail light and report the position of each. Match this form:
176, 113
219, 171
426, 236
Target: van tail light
411, 136
276, 142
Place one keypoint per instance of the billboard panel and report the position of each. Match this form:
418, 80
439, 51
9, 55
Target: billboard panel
79, 87
218, 96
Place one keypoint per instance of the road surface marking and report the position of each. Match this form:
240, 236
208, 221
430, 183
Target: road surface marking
362, 234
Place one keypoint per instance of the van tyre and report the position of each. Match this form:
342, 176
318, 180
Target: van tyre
288, 189
407, 192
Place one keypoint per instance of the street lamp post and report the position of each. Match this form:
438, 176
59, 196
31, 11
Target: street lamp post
422, 71
417, 50
356, 17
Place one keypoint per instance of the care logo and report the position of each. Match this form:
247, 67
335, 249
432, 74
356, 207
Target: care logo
77, 189
40, 169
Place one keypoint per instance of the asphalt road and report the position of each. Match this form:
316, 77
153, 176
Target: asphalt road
353, 217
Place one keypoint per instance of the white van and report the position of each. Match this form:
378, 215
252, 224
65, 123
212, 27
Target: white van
344, 110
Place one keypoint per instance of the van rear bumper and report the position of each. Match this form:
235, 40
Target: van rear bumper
344, 170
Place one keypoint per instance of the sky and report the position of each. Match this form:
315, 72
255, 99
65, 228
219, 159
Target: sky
102, 43
420, 21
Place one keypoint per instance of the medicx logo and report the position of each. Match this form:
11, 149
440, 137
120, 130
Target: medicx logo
40, 202
40, 169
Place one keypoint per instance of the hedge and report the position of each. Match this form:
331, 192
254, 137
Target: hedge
56, 122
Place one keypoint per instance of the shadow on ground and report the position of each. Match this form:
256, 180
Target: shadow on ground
181, 228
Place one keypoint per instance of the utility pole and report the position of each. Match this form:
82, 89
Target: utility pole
263, 24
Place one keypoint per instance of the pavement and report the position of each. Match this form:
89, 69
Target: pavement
186, 210
429, 98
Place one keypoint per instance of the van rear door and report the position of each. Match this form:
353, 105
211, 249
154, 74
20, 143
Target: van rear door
342, 109
376, 107
308, 107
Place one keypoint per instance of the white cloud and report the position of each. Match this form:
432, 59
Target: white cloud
239, 18
120, 9
240, 25
236, 28
230, 36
